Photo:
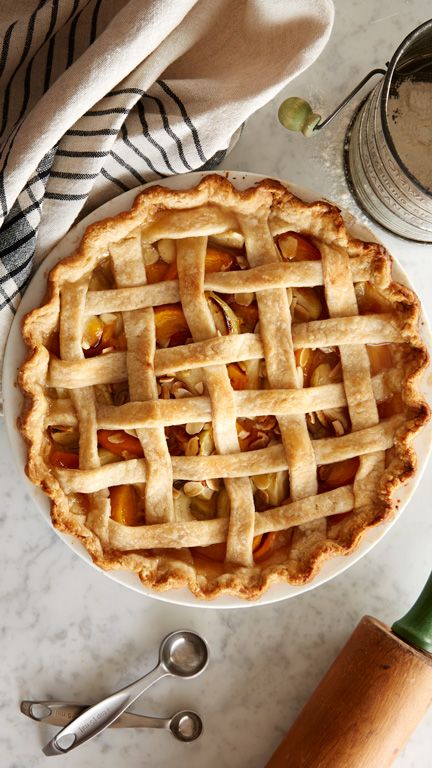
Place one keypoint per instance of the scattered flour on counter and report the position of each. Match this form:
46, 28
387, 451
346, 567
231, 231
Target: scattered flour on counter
410, 123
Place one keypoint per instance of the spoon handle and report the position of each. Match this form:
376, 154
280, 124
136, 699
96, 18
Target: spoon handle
63, 712
95, 719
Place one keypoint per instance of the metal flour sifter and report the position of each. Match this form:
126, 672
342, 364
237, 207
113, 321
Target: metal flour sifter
383, 185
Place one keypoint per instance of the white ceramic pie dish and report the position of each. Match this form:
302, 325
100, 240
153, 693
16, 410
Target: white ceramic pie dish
16, 352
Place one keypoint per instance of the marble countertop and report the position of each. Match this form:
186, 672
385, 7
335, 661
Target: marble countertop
69, 632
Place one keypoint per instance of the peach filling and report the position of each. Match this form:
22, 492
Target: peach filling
262, 548
102, 334
125, 507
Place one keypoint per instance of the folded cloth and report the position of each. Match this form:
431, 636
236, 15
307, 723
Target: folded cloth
100, 96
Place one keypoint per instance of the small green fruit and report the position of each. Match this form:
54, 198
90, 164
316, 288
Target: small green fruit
297, 115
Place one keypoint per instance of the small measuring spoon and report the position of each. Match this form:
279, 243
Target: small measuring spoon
181, 654
184, 726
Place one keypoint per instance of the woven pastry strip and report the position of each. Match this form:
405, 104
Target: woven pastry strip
341, 301
249, 403
216, 531
272, 459
276, 335
112, 368
71, 329
191, 265
269, 275
129, 270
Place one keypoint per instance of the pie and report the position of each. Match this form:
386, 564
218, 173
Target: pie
221, 391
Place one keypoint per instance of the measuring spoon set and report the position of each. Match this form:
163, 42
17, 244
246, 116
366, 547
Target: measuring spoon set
181, 654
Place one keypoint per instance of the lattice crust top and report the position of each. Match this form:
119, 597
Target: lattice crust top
221, 390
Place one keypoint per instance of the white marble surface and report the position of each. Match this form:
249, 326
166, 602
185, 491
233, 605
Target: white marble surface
69, 632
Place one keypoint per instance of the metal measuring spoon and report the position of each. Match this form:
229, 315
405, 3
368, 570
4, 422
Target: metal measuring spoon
181, 654
184, 726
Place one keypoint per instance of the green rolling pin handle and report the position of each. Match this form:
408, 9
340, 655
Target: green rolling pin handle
416, 626
297, 115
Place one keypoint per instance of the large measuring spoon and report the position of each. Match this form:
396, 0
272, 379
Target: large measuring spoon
181, 654
184, 725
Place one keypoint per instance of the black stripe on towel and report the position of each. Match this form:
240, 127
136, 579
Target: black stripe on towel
72, 31
71, 175
169, 130
5, 47
128, 167
185, 117
113, 111
94, 21
150, 138
137, 151
28, 73
117, 182
74, 153
99, 132
27, 45
69, 198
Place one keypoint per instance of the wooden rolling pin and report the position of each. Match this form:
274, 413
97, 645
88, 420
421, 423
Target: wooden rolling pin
371, 699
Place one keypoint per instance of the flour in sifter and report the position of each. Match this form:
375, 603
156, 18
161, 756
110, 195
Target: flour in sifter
410, 112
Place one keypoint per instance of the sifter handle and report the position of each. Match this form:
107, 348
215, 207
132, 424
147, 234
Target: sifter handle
366, 706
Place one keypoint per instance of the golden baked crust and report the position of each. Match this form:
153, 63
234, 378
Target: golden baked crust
319, 429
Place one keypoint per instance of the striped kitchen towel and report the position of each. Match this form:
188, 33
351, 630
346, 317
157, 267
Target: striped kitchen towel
99, 96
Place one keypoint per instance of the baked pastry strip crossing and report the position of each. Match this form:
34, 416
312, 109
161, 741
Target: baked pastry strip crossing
272, 275
70, 334
191, 265
112, 368
276, 335
272, 459
215, 531
129, 270
341, 301
249, 403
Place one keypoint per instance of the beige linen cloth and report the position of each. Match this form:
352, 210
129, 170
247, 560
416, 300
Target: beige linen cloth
99, 96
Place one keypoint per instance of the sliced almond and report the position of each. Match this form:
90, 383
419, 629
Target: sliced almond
192, 488
180, 391
116, 438
166, 391
307, 304
322, 418
244, 299
321, 375
287, 246
206, 493
338, 427
230, 239
206, 442
67, 438
243, 434
261, 482
108, 318
192, 446
193, 428
261, 441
